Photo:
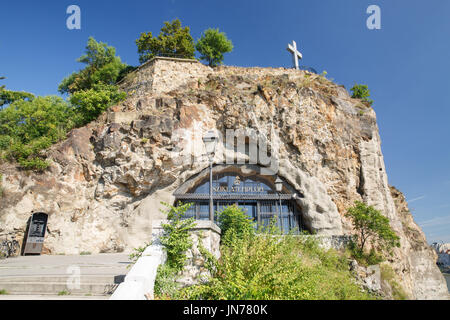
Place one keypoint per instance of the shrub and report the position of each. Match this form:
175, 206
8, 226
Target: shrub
361, 91
267, 267
233, 219
92, 102
166, 286
137, 253
27, 127
176, 238
35, 164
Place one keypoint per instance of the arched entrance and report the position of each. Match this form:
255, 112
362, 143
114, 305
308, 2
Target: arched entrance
244, 187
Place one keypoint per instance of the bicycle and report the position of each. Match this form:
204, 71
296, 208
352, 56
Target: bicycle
9, 248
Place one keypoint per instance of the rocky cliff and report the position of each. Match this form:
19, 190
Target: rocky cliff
106, 181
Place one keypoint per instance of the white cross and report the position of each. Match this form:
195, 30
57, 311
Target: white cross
292, 48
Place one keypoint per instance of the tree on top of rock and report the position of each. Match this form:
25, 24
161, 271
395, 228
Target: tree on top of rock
173, 41
102, 67
93, 89
212, 45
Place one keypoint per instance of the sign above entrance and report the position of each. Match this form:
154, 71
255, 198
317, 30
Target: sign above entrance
227, 184
240, 189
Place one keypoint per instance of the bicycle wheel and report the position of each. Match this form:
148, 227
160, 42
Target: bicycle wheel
15, 248
3, 251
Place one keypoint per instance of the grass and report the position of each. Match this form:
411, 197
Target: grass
64, 293
388, 275
85, 253
3, 292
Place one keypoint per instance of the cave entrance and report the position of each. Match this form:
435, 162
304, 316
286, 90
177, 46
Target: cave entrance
255, 194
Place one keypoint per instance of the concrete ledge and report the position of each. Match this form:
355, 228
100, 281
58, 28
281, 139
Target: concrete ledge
199, 225
131, 290
167, 59
328, 242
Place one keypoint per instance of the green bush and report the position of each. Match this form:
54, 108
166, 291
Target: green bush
166, 286
36, 164
233, 219
29, 126
361, 91
364, 258
266, 266
176, 238
92, 102
137, 253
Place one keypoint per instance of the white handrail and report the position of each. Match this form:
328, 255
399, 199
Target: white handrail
140, 280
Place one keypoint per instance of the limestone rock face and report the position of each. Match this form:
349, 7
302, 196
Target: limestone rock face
107, 180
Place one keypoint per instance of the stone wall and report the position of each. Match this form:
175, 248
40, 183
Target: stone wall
209, 234
157, 75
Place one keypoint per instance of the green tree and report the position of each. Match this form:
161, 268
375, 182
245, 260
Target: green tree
7, 96
361, 91
93, 89
102, 67
371, 227
29, 126
173, 40
212, 45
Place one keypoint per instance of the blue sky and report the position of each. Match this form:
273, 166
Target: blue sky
405, 64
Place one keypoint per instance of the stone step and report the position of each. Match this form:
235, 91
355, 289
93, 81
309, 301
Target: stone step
46, 285
52, 297
64, 278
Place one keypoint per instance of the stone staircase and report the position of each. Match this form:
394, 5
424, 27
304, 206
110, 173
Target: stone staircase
89, 285
62, 277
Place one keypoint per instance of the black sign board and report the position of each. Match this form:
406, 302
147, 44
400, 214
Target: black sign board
36, 233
